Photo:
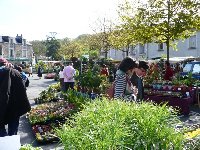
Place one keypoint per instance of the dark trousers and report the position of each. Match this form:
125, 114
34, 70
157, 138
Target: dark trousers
62, 84
69, 85
12, 128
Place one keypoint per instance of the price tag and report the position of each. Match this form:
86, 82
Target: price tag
179, 89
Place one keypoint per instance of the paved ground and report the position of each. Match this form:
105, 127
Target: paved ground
26, 135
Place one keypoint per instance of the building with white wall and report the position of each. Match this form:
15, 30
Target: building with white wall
185, 48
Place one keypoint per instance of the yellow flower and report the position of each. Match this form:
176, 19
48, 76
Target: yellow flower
192, 134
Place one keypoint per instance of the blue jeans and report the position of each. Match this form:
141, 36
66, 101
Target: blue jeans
12, 128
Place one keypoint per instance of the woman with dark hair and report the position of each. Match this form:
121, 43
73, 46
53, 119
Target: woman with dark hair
123, 86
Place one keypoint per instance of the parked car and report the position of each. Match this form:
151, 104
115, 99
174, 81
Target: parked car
193, 67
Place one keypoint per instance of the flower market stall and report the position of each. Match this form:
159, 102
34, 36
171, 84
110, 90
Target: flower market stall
180, 93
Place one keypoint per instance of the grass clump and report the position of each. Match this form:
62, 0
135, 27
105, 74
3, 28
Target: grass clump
104, 124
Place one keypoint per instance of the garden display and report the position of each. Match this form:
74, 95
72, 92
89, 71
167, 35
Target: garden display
46, 133
48, 95
164, 93
49, 112
105, 124
50, 76
44, 118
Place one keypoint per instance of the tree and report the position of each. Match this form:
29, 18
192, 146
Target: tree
164, 21
69, 49
52, 46
102, 31
39, 48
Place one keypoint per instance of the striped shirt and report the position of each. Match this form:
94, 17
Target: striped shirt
120, 86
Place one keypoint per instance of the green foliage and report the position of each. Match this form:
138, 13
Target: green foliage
39, 48
50, 94
90, 79
52, 46
76, 98
162, 21
29, 147
105, 124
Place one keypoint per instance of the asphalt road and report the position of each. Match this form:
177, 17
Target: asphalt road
26, 135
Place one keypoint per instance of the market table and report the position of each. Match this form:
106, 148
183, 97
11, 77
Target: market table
181, 104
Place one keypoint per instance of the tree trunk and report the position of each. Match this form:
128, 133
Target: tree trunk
106, 54
167, 43
127, 50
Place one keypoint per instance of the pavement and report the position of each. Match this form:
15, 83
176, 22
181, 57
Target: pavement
37, 85
26, 135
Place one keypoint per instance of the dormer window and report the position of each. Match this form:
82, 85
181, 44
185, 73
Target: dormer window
5, 38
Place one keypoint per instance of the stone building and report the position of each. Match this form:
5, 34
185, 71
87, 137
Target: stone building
16, 49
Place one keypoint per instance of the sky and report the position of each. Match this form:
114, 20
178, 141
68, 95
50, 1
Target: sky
35, 19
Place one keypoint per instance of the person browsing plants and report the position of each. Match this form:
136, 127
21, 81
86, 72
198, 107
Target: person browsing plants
123, 87
137, 78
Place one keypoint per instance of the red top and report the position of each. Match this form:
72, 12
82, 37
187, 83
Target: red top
168, 74
104, 71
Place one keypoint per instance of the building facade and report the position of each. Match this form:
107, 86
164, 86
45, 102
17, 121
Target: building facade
185, 48
16, 49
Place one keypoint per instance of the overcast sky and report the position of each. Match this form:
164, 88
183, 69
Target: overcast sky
34, 19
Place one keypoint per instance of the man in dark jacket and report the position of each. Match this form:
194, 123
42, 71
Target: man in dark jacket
13, 99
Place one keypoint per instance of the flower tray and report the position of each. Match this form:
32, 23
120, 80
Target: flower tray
49, 112
46, 133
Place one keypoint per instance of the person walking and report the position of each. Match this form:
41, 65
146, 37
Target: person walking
13, 99
30, 71
69, 73
39, 72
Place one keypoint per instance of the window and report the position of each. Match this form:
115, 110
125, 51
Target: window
160, 47
141, 49
11, 53
192, 42
24, 51
1, 50
11, 43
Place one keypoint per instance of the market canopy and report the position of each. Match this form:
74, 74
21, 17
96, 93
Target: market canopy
179, 59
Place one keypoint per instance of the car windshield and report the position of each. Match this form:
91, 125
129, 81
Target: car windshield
196, 68
187, 68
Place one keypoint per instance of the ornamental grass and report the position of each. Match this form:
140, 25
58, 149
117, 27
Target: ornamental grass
105, 124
